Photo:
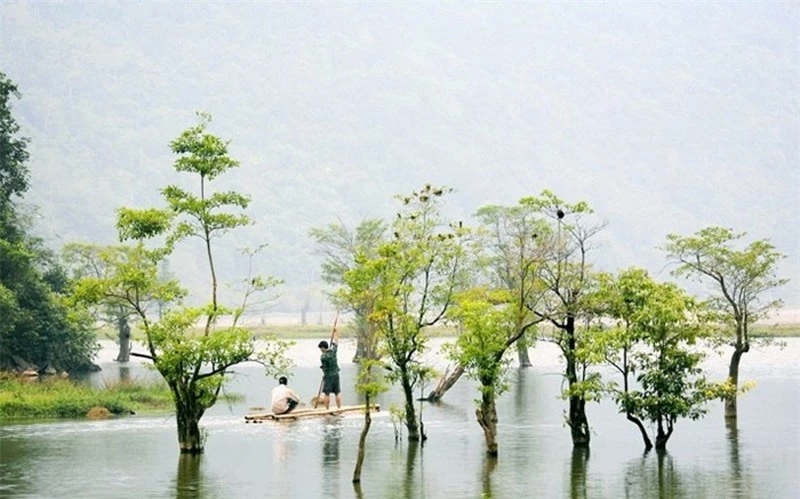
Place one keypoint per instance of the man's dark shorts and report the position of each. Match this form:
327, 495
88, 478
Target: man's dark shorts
292, 404
331, 385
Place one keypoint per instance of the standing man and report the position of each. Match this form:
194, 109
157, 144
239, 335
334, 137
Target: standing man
330, 371
284, 399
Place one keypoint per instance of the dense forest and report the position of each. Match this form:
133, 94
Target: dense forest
665, 118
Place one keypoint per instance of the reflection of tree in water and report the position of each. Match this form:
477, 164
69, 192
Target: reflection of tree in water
331, 438
18, 456
489, 464
189, 481
520, 394
739, 480
411, 460
655, 474
577, 473
332, 435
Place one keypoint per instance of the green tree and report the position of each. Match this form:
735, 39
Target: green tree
656, 327
194, 364
340, 247
567, 279
488, 324
37, 328
514, 245
101, 280
414, 277
742, 279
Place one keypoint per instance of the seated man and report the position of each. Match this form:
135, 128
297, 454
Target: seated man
284, 399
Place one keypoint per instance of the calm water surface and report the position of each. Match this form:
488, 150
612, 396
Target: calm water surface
138, 456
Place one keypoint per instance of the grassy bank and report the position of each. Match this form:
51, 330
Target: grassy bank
62, 398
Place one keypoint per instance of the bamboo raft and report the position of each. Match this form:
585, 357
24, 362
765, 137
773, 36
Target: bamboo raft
305, 412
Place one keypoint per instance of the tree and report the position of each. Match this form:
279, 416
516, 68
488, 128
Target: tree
515, 242
488, 327
13, 154
567, 279
656, 326
370, 384
194, 364
416, 276
742, 280
340, 247
100, 280
37, 329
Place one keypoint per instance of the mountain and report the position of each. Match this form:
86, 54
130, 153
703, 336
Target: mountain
664, 117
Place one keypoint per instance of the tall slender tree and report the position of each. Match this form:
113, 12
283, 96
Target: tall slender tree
194, 364
567, 279
742, 278
340, 247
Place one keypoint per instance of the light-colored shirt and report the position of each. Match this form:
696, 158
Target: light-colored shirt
280, 398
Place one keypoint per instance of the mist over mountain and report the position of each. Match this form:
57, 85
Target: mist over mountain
664, 117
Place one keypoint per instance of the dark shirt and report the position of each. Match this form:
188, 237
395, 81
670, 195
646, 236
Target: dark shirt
328, 360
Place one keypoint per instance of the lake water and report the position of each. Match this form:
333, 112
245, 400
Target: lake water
138, 456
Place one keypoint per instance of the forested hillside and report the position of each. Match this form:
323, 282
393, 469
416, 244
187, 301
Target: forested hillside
664, 117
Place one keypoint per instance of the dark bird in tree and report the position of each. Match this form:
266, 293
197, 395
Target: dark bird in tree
560, 213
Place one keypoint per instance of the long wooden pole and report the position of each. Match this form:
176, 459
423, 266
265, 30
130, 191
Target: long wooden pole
321, 381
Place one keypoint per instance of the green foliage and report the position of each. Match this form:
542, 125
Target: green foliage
37, 327
742, 278
657, 327
194, 364
484, 339
408, 285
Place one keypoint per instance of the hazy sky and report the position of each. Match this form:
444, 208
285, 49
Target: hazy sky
664, 117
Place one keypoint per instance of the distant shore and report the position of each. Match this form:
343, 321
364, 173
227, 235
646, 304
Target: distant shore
323, 332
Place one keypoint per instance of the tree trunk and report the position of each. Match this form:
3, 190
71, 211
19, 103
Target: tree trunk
365, 336
662, 437
190, 439
362, 443
445, 384
733, 376
487, 418
522, 352
577, 421
124, 339
645, 437
411, 415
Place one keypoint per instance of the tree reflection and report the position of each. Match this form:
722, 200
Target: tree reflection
641, 482
520, 394
189, 480
577, 472
331, 439
411, 459
738, 475
489, 464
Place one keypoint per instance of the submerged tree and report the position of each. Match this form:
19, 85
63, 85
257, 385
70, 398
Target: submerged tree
488, 327
414, 277
514, 243
340, 247
99, 280
742, 280
194, 363
567, 280
656, 327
